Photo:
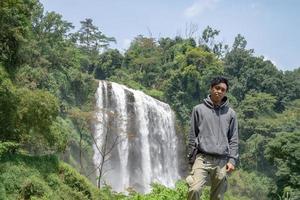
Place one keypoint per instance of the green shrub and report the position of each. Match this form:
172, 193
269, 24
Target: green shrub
2, 192
8, 147
160, 192
42, 177
245, 185
33, 186
75, 181
157, 94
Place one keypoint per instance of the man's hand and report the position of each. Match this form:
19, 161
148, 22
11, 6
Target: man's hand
229, 167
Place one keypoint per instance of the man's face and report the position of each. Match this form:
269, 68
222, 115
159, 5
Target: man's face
218, 91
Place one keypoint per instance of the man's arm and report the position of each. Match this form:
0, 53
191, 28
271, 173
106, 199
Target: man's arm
194, 131
233, 140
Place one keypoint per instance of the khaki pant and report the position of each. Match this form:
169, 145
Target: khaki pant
207, 170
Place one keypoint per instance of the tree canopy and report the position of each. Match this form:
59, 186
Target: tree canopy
48, 75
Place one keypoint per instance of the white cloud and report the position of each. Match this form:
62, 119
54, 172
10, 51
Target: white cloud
199, 6
126, 43
267, 58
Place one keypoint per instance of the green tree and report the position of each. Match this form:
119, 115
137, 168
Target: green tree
82, 87
291, 82
8, 107
27, 116
82, 121
90, 38
36, 112
248, 72
257, 104
109, 61
252, 111
207, 42
48, 46
183, 91
253, 158
15, 22
284, 152
167, 46
91, 41
256, 112
143, 58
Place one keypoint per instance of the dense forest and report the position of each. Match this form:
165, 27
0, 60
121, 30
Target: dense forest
48, 73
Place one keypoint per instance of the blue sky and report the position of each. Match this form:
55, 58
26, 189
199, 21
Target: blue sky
271, 27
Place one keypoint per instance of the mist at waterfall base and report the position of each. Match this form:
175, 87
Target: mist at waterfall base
139, 138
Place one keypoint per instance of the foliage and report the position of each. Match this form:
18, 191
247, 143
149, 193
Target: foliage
47, 89
109, 61
26, 116
284, 152
248, 72
37, 110
143, 59
15, 21
291, 81
44, 177
257, 104
249, 185
60, 131
242, 185
8, 147
90, 38
160, 192
8, 107
271, 148
207, 41
91, 41
40, 78
182, 87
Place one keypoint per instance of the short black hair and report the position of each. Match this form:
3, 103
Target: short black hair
219, 79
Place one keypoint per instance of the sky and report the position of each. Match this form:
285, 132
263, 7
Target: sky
271, 27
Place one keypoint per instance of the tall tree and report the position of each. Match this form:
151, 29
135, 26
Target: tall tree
82, 121
291, 82
284, 152
143, 58
91, 41
248, 72
15, 22
208, 42
109, 61
90, 38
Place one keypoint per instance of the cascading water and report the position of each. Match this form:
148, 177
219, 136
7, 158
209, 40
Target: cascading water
135, 136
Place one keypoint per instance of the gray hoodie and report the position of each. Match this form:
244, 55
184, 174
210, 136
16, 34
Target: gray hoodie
214, 130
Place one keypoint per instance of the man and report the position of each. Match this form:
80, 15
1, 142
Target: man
213, 142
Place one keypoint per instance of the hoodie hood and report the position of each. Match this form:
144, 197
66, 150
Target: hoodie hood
208, 102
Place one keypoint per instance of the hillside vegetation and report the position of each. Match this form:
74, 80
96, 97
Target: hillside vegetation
48, 75
43, 177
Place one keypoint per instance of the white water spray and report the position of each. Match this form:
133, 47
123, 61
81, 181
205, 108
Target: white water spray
143, 131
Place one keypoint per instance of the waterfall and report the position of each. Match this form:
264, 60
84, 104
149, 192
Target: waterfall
135, 135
